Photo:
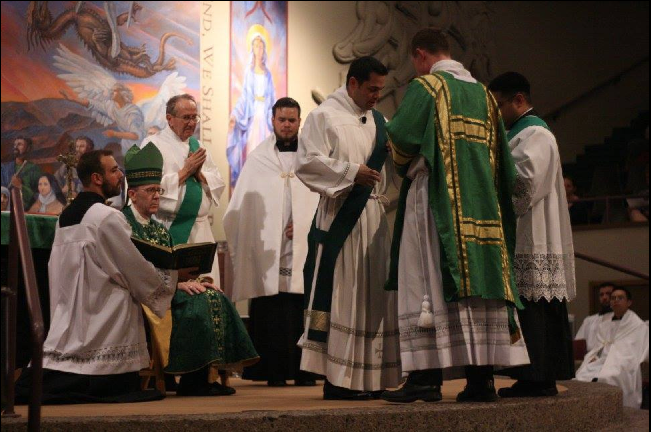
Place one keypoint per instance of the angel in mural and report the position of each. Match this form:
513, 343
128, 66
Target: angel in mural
111, 102
250, 121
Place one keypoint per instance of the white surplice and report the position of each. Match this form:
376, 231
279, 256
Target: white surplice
98, 280
471, 331
362, 348
621, 347
175, 152
267, 197
588, 331
544, 252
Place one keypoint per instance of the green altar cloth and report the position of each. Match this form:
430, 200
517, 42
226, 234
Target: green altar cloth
40, 229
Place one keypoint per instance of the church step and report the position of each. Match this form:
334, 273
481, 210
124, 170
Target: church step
578, 407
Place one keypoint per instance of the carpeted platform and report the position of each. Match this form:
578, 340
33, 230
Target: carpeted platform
579, 407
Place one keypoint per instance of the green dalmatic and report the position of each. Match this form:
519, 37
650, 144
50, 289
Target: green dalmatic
471, 178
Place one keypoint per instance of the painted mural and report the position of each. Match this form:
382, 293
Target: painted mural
258, 75
97, 74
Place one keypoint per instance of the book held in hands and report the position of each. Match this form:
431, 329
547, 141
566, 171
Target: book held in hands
180, 256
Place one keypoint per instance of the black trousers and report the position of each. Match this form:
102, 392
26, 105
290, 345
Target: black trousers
63, 388
276, 325
434, 377
546, 331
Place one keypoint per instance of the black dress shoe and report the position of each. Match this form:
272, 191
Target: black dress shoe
412, 392
478, 393
277, 383
214, 389
305, 383
331, 392
218, 389
529, 389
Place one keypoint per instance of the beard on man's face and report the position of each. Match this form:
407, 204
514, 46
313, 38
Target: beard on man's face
285, 136
110, 190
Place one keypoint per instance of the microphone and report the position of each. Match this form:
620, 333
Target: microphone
363, 120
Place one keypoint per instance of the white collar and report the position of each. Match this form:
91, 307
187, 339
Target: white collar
169, 134
139, 218
453, 67
341, 95
47, 199
523, 114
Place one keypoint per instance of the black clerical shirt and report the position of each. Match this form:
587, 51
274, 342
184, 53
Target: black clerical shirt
75, 212
287, 147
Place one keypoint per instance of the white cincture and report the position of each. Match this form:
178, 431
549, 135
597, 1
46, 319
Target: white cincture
383, 199
426, 319
285, 175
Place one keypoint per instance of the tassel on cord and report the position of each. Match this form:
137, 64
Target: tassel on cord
426, 319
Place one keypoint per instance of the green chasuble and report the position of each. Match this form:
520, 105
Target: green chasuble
206, 328
457, 128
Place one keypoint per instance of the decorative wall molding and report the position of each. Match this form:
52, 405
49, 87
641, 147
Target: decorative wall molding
385, 28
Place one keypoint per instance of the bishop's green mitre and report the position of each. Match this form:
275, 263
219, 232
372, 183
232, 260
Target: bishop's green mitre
144, 166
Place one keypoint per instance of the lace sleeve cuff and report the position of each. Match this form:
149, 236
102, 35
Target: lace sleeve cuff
159, 300
522, 195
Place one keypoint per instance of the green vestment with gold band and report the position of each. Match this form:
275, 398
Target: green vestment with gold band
471, 179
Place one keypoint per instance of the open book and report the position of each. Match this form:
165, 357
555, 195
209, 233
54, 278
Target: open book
181, 256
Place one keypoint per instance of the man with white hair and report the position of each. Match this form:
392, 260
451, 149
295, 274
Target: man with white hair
191, 180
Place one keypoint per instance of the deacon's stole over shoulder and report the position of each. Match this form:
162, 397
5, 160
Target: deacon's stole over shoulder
187, 214
456, 127
333, 240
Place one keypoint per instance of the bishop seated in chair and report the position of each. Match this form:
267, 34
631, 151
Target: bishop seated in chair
205, 332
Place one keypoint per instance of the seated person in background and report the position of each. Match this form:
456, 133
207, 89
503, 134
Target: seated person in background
622, 345
588, 329
638, 208
579, 210
206, 328
96, 344
5, 199
50, 199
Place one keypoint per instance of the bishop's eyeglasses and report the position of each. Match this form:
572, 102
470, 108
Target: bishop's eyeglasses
154, 190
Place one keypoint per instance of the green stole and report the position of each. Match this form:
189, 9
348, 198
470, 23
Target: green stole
187, 214
334, 239
524, 122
